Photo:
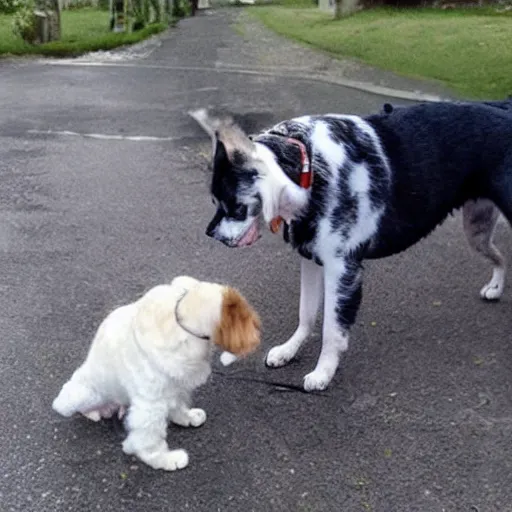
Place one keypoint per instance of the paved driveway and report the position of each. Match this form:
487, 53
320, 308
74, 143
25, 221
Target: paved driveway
104, 194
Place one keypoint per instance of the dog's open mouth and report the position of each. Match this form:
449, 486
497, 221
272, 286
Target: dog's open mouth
250, 236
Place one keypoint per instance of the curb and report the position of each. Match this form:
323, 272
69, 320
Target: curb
370, 88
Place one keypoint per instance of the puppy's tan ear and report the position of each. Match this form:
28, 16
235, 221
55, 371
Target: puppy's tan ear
238, 331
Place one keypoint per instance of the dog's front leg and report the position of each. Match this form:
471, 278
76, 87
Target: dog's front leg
343, 292
147, 431
310, 298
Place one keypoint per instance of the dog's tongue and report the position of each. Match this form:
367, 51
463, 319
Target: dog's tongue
250, 235
274, 224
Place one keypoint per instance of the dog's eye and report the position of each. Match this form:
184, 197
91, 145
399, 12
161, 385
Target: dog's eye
240, 212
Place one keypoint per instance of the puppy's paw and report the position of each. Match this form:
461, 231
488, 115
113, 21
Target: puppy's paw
227, 358
197, 417
317, 380
128, 446
173, 460
279, 356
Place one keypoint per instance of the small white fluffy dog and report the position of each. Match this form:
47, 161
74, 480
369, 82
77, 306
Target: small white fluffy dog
149, 356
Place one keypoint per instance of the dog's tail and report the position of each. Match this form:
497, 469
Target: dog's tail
75, 396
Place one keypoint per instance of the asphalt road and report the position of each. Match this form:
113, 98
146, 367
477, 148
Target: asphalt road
419, 416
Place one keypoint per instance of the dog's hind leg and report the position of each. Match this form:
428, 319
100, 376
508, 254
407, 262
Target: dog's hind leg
186, 417
479, 220
180, 413
311, 284
76, 396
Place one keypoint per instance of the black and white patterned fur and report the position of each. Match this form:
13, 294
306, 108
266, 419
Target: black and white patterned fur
381, 183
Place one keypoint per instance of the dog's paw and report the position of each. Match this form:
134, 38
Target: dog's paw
173, 460
492, 291
279, 356
197, 417
494, 288
317, 380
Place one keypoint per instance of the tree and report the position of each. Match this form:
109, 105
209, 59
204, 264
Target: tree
344, 7
51, 9
338, 9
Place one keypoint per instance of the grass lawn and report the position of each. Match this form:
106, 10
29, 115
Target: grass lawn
470, 50
83, 31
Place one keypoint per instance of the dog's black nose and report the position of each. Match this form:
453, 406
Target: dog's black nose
212, 225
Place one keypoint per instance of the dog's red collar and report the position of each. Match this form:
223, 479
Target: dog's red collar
305, 178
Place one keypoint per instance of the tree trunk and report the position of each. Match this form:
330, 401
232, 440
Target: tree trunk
338, 9
344, 8
51, 26
55, 29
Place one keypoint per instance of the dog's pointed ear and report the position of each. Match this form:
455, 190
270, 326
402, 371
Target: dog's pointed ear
209, 124
292, 200
226, 131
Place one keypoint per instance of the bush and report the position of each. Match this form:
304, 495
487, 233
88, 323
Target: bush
23, 24
181, 8
9, 6
78, 4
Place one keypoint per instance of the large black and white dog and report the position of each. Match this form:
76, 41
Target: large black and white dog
379, 184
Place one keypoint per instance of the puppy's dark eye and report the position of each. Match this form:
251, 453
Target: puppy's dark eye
240, 212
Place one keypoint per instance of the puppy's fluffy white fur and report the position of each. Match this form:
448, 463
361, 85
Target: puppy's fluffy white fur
144, 363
